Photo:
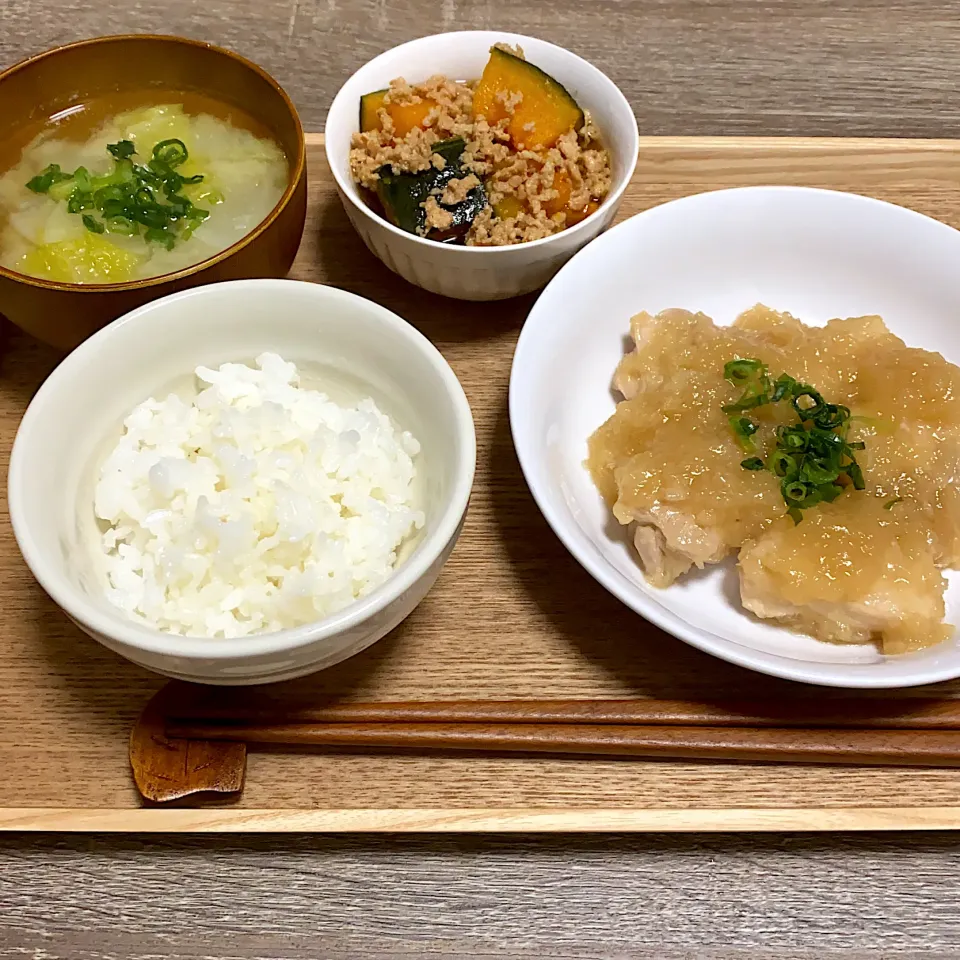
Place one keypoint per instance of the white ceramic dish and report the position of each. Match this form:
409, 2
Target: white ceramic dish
353, 347
479, 273
816, 253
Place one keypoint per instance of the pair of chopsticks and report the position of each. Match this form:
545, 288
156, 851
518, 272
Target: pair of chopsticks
908, 732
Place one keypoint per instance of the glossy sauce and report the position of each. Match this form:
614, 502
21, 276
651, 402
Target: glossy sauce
668, 457
855, 570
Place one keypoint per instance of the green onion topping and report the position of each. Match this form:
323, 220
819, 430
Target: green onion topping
134, 198
42, 182
122, 150
812, 458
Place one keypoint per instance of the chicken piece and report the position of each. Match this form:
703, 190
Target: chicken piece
667, 460
669, 464
906, 407
852, 571
669, 543
907, 404
661, 565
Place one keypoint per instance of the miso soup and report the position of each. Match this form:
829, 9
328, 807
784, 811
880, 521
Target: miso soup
140, 192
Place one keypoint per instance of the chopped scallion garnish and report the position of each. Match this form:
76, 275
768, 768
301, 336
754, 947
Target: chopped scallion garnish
122, 150
94, 226
132, 196
812, 458
44, 180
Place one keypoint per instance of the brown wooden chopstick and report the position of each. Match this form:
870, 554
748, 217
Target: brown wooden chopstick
911, 713
913, 748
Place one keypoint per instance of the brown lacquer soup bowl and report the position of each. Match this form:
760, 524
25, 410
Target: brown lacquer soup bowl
68, 94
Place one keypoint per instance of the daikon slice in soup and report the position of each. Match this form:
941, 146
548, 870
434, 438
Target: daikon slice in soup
147, 192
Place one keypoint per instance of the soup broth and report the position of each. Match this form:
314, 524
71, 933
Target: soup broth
127, 190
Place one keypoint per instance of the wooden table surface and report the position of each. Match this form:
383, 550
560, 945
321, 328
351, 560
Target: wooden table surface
815, 67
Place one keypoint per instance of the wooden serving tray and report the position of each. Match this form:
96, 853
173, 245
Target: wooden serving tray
513, 615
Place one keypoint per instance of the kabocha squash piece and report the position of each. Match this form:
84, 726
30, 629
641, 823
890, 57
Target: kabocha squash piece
561, 202
509, 207
575, 216
402, 194
545, 111
405, 116
563, 186
370, 106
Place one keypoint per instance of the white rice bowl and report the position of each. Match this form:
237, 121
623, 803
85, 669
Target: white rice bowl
254, 507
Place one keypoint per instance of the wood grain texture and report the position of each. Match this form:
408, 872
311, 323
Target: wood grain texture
696, 898
809, 67
572, 819
512, 614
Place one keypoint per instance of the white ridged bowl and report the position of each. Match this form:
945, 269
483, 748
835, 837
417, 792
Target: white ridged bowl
479, 273
343, 344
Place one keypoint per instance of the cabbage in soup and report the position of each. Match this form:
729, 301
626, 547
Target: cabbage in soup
149, 192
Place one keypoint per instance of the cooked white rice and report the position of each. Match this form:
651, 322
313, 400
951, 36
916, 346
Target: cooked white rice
256, 506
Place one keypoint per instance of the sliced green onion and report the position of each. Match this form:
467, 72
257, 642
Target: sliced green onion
80, 201
829, 491
795, 439
81, 177
831, 416
890, 504
743, 430
170, 152
162, 236
807, 411
121, 226
121, 150
63, 190
782, 464
739, 372
854, 472
783, 385
812, 458
748, 403
132, 195
817, 471
44, 180
795, 490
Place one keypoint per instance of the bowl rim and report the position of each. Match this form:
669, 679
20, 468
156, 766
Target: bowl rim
346, 189
802, 671
148, 639
297, 168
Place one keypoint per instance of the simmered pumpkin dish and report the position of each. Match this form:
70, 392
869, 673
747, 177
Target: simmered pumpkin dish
826, 458
505, 159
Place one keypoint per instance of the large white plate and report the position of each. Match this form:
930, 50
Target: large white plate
816, 253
